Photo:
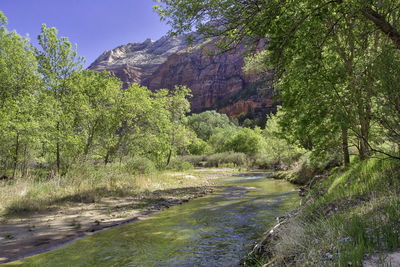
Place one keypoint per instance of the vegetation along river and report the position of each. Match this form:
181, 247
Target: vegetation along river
215, 230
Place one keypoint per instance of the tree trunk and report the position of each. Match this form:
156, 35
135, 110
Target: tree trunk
363, 140
383, 25
90, 138
169, 156
107, 157
364, 113
58, 149
24, 164
88, 144
16, 155
345, 147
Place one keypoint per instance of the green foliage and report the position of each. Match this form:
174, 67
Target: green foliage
387, 95
217, 140
246, 140
199, 147
3, 19
140, 165
195, 160
19, 84
277, 148
181, 165
94, 101
352, 213
207, 123
57, 62
229, 159
334, 64
54, 116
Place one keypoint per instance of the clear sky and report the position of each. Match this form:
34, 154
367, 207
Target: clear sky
94, 25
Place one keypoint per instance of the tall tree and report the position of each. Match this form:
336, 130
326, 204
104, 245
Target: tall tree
19, 86
92, 101
176, 105
57, 63
307, 40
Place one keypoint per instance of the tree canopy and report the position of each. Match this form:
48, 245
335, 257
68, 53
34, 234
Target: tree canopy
325, 57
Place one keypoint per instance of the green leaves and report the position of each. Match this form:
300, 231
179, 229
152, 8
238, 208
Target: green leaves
57, 61
3, 19
323, 54
19, 84
208, 123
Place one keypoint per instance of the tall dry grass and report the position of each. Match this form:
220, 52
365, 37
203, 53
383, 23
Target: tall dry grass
87, 183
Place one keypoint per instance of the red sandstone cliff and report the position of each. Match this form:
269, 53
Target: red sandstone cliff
217, 81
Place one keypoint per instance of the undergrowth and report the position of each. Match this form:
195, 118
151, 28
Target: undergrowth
347, 217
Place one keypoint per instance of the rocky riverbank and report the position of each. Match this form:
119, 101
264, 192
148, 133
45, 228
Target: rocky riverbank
348, 218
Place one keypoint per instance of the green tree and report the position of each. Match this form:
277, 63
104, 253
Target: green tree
129, 122
176, 105
207, 123
306, 41
19, 86
57, 62
247, 141
93, 99
277, 148
218, 140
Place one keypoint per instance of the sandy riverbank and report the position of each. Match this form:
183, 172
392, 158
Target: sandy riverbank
28, 234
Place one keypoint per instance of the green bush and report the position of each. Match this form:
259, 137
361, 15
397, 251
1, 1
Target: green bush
246, 141
262, 161
195, 160
180, 165
208, 123
199, 147
222, 159
140, 165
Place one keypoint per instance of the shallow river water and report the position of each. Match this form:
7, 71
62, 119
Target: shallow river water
215, 230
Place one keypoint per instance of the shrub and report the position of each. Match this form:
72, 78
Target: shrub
262, 161
195, 160
140, 165
180, 165
246, 141
216, 160
199, 147
239, 159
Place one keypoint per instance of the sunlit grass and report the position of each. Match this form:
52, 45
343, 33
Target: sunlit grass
349, 216
87, 184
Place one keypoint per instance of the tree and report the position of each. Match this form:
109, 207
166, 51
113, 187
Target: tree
246, 141
93, 100
19, 86
128, 122
207, 123
176, 105
57, 63
306, 41
279, 20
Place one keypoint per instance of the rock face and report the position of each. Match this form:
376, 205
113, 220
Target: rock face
216, 80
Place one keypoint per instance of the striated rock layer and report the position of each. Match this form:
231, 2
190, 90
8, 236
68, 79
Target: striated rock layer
216, 80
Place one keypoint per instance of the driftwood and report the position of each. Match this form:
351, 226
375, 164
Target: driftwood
259, 248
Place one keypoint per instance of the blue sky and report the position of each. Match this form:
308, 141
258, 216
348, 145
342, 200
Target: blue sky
94, 25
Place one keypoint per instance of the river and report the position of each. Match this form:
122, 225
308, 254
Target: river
215, 230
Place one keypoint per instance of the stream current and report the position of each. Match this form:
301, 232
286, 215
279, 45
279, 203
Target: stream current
216, 230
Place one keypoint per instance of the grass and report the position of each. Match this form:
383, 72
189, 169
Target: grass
89, 184
345, 218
